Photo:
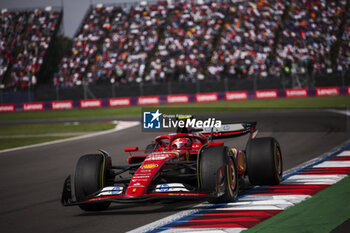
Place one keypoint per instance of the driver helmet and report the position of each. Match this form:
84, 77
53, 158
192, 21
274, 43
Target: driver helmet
182, 144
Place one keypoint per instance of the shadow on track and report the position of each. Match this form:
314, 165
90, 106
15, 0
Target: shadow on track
145, 208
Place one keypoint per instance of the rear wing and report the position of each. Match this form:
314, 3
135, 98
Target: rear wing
230, 130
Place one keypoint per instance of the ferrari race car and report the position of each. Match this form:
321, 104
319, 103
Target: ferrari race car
188, 164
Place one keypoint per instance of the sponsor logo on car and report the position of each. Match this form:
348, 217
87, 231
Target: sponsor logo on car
136, 185
149, 166
226, 127
146, 170
141, 177
111, 190
159, 156
139, 180
164, 188
117, 190
172, 187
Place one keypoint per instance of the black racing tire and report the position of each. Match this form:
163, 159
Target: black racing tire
218, 174
90, 177
264, 161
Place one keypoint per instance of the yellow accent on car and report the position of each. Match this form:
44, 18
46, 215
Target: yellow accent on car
149, 166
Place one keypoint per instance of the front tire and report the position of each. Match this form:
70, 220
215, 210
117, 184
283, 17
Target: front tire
218, 174
90, 177
264, 161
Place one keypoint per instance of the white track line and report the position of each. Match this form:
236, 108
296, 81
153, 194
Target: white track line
345, 112
334, 164
324, 155
345, 153
313, 179
194, 230
170, 219
121, 125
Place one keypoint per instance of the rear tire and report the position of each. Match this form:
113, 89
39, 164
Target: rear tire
264, 161
90, 177
218, 174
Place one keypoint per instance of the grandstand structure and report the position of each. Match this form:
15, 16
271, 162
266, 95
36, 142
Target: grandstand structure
160, 47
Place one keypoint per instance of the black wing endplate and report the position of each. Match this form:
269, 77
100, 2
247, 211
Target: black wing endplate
229, 130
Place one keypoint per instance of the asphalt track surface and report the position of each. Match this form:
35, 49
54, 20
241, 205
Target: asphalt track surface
31, 180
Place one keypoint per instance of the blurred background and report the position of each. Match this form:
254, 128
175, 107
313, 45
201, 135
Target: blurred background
84, 49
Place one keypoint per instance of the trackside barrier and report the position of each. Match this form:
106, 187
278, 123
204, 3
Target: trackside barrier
119, 102
177, 99
7, 108
236, 95
327, 91
95, 103
148, 100
266, 94
39, 106
59, 105
207, 97
300, 92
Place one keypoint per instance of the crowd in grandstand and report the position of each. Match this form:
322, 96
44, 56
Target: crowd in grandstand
97, 23
25, 38
187, 42
343, 61
182, 40
12, 27
310, 31
125, 51
247, 40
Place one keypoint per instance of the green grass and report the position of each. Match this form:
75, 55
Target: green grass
37, 129
6, 143
27, 134
281, 103
73, 113
321, 213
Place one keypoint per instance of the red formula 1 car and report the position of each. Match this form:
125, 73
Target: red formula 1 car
183, 165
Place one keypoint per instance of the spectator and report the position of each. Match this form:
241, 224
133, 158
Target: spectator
343, 61
95, 27
187, 42
247, 40
132, 39
116, 45
309, 34
25, 37
12, 27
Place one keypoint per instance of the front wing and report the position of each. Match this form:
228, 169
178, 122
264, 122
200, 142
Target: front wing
102, 196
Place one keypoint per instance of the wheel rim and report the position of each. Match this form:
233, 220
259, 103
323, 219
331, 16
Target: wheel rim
278, 161
232, 175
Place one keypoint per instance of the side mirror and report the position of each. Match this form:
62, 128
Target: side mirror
131, 149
